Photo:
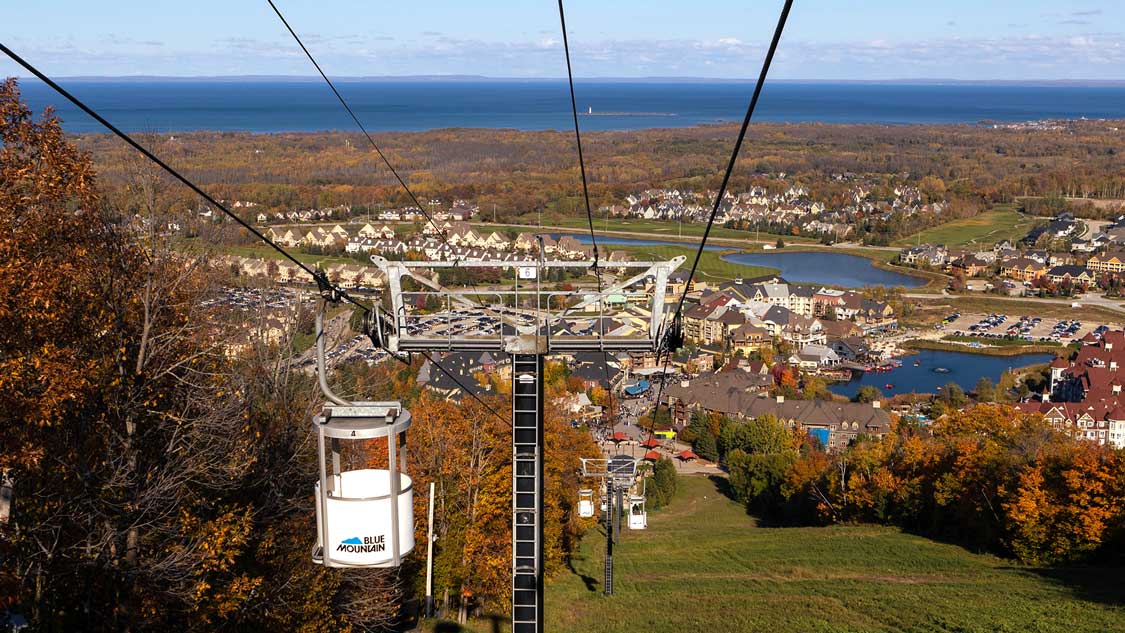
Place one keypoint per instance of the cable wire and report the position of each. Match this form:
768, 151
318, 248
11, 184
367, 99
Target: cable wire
578, 142
318, 275
585, 190
460, 384
722, 190
363, 129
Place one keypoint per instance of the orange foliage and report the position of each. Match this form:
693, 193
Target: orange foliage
987, 476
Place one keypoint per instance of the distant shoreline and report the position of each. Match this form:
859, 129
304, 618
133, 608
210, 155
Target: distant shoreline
626, 114
267, 106
696, 126
1078, 83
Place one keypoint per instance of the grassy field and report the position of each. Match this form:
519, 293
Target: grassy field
666, 229
1002, 347
711, 267
983, 229
259, 251
705, 566
1000, 342
930, 310
1046, 309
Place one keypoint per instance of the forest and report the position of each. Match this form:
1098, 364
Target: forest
158, 483
512, 173
985, 477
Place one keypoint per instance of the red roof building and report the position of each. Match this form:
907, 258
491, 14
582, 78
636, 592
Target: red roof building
1086, 398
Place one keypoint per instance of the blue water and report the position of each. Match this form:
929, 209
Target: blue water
833, 269
809, 267
387, 105
965, 369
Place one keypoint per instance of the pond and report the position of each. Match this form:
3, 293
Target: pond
808, 267
830, 269
936, 369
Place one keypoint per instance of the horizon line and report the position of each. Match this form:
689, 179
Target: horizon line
607, 78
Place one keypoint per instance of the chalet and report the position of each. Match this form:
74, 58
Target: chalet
526, 243
747, 338
1023, 268
567, 246
462, 365
741, 397
318, 236
384, 232
340, 233
291, 238
971, 265
1102, 422
815, 356
1071, 273
803, 331
1111, 262
925, 254
851, 348
496, 241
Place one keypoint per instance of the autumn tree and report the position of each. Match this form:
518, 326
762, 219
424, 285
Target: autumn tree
156, 487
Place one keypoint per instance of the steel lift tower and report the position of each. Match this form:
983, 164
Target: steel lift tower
527, 322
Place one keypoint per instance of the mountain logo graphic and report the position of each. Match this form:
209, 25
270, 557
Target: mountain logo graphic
363, 545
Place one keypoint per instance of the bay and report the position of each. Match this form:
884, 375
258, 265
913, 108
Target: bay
964, 368
832, 269
806, 267
301, 105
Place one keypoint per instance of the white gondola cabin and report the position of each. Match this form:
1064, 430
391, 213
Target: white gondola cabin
638, 516
586, 503
364, 515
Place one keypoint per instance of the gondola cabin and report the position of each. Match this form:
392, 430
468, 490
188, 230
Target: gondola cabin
638, 516
586, 503
364, 514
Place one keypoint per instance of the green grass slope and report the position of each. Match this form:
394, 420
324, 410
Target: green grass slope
704, 565
984, 229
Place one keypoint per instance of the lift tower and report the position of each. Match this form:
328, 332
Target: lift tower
527, 322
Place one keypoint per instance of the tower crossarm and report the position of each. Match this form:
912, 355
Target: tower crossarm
520, 315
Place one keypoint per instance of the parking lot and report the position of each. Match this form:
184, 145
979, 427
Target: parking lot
1028, 328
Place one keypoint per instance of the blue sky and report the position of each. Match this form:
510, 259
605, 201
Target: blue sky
825, 39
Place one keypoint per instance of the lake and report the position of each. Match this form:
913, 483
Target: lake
306, 105
965, 369
808, 267
831, 269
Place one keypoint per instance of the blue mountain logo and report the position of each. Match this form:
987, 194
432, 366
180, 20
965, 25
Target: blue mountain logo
363, 545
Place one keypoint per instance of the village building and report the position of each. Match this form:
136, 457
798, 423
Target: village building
1111, 262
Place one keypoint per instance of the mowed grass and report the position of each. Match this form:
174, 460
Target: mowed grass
982, 229
667, 229
259, 250
704, 565
711, 267
985, 304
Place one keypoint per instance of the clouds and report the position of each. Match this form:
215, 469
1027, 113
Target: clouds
1074, 18
1076, 56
